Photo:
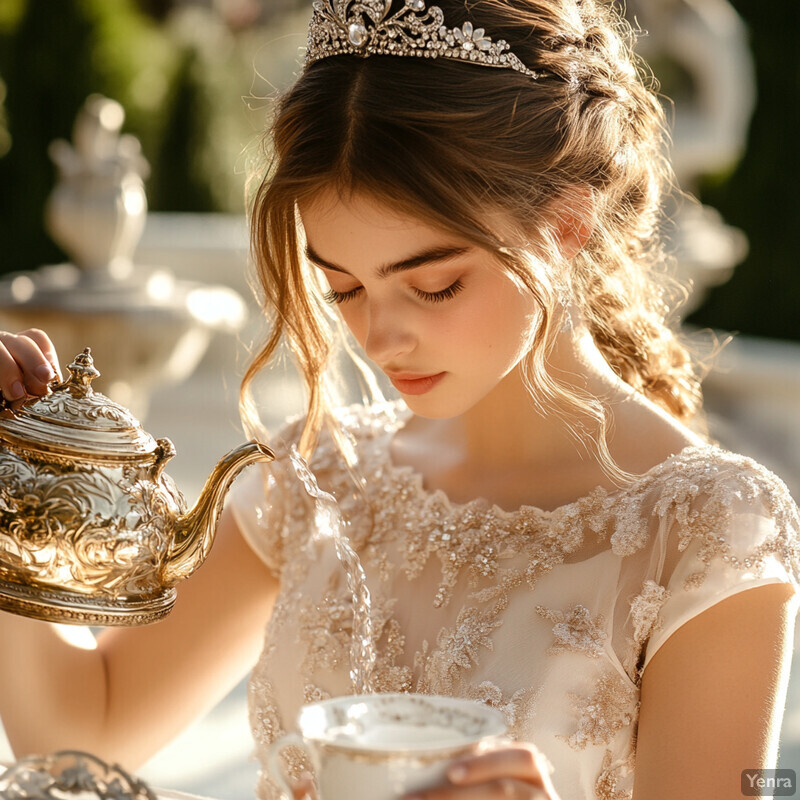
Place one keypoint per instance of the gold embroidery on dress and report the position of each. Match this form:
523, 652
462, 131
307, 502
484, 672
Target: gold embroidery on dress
576, 631
519, 710
388, 676
265, 721
326, 629
645, 608
314, 694
611, 707
703, 498
499, 592
605, 787
458, 648
693, 497
266, 727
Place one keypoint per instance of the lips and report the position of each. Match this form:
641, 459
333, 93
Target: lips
414, 383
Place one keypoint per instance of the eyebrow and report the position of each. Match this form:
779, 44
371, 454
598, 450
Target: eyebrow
430, 256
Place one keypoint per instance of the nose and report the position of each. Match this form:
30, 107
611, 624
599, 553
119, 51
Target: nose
389, 333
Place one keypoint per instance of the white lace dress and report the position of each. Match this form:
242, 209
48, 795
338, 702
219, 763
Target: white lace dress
550, 616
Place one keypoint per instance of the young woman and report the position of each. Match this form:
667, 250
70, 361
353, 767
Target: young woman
475, 190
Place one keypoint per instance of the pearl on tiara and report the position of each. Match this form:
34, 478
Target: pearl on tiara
365, 27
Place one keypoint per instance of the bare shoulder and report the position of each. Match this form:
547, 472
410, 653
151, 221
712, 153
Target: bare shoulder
712, 697
644, 435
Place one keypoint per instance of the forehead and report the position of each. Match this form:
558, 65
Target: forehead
365, 229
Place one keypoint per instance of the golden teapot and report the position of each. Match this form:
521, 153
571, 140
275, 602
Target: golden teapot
92, 531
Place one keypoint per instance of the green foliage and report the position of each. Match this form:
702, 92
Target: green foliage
51, 60
10, 13
203, 120
183, 188
760, 195
181, 84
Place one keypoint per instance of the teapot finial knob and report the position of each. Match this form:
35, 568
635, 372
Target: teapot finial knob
82, 373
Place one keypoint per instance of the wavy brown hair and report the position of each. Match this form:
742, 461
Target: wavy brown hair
448, 142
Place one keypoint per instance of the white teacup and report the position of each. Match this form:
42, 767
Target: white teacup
382, 746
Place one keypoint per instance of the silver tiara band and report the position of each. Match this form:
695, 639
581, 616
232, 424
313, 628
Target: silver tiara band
365, 28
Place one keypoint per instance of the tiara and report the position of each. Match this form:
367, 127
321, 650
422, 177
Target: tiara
364, 27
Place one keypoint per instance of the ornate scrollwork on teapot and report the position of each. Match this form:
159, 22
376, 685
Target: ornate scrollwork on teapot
92, 530
70, 773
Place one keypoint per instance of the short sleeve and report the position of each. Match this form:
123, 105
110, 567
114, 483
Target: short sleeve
739, 532
256, 503
259, 501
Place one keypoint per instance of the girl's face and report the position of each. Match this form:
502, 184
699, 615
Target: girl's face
433, 311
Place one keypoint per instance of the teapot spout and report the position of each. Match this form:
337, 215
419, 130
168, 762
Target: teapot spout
195, 530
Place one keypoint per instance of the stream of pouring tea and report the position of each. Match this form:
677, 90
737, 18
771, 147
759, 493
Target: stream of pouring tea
329, 522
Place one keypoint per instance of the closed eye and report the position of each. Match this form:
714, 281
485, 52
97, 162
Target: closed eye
445, 294
333, 297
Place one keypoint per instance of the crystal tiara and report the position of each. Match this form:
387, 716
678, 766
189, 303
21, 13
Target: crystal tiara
365, 27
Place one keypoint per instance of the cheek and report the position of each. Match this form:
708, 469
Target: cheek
503, 325
354, 322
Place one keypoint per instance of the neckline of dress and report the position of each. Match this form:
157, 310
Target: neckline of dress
400, 414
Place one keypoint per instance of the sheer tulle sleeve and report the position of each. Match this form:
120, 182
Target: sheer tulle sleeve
727, 530
260, 503
257, 504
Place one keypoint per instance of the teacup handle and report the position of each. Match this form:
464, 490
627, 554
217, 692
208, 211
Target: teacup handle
276, 766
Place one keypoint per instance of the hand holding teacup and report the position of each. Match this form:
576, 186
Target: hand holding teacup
509, 770
388, 746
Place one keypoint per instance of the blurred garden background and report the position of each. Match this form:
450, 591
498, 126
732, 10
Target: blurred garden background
193, 78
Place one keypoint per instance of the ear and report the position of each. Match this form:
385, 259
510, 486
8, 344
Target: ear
574, 220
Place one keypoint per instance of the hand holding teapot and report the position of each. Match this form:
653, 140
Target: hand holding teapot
92, 531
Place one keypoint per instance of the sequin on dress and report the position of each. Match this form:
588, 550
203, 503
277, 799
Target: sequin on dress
549, 616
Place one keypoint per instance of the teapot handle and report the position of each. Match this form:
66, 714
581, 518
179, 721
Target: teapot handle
275, 765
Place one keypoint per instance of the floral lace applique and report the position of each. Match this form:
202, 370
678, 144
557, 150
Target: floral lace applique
327, 630
612, 706
388, 676
467, 539
576, 631
499, 592
519, 710
491, 554
695, 488
265, 721
295, 763
458, 648
700, 495
606, 786
645, 608
266, 726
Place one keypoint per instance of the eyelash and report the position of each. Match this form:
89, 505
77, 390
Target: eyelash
333, 297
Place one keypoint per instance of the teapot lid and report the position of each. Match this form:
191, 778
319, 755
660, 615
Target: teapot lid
75, 421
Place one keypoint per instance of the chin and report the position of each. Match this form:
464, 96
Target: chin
431, 407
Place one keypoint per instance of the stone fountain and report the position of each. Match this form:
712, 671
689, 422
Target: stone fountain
144, 325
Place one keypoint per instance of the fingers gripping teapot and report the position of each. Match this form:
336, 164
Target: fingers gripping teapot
91, 529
